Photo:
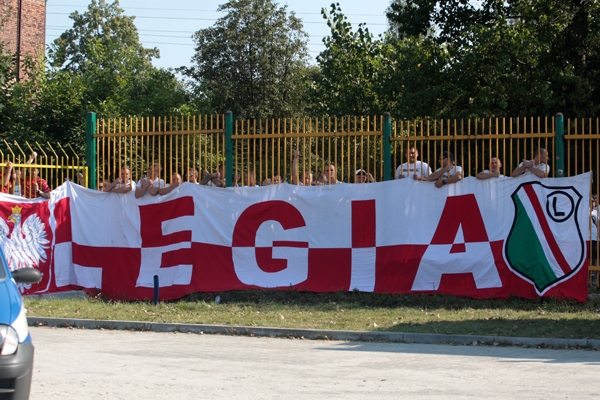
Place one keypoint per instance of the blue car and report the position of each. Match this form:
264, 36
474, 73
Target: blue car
16, 349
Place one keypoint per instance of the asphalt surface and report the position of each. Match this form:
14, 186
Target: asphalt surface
124, 364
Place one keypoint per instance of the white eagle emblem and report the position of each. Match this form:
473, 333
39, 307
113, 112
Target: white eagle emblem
27, 244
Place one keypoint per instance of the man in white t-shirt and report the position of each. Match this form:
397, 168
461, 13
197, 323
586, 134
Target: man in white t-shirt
176, 181
150, 184
494, 171
418, 170
122, 184
448, 173
537, 166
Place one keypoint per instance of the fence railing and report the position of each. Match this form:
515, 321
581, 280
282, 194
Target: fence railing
54, 163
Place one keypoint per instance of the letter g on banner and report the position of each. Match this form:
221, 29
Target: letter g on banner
244, 251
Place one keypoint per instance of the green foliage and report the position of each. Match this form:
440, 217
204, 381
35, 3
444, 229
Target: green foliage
252, 61
458, 59
512, 58
351, 69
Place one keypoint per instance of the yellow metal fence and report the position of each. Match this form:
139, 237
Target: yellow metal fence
55, 163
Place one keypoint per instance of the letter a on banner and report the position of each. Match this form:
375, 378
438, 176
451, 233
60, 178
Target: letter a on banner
545, 245
449, 253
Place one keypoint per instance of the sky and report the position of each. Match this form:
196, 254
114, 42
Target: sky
170, 28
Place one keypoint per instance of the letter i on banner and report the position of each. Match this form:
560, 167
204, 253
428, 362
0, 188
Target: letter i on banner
364, 227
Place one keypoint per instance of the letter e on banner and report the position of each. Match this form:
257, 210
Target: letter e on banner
167, 255
244, 250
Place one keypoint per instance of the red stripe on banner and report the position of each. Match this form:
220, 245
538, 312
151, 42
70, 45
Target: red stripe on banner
363, 224
120, 268
284, 243
396, 267
558, 255
62, 214
329, 270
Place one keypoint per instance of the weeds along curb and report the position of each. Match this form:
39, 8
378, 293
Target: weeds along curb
315, 334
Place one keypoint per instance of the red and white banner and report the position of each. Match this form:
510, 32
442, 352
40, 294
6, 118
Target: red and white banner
494, 238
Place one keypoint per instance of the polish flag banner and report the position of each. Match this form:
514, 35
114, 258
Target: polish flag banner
494, 238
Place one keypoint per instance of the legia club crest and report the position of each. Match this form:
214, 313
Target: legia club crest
545, 245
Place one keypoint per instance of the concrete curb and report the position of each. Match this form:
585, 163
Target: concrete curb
364, 336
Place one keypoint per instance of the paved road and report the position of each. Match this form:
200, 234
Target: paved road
102, 364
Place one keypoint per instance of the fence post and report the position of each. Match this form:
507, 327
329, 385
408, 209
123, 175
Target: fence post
387, 147
560, 146
90, 148
228, 149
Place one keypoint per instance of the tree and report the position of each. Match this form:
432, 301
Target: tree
351, 68
103, 49
510, 58
252, 61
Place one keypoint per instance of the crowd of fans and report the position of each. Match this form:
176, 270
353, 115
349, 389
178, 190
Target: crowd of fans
26, 182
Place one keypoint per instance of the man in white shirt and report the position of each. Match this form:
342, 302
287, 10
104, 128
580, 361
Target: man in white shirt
150, 184
122, 184
417, 170
176, 181
494, 171
448, 173
537, 166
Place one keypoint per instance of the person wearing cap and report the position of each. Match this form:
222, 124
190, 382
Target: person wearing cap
362, 176
448, 173
418, 170
537, 166
494, 171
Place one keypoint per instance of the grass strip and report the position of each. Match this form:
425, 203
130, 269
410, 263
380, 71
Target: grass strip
359, 311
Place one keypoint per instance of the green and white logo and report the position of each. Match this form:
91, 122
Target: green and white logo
545, 245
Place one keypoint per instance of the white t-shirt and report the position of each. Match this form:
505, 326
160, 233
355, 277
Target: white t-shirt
457, 169
159, 183
128, 183
542, 166
408, 170
487, 171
